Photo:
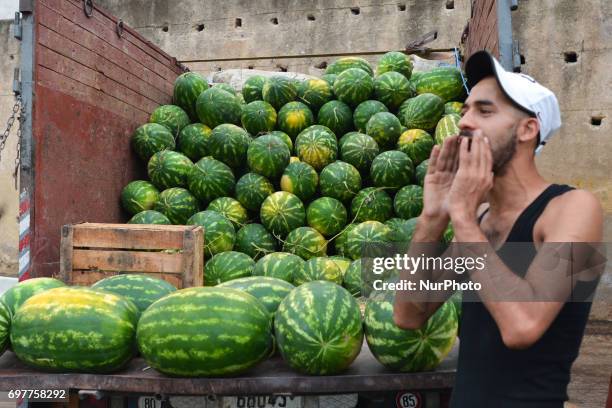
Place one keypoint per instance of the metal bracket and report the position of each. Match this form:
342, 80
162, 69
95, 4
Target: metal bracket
513, 5
16, 82
119, 28
17, 27
88, 7
26, 6
516, 56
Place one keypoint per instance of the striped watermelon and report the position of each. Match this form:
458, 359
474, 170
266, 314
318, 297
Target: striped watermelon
359, 150
280, 265
315, 93
408, 202
229, 332
317, 146
352, 280
318, 328
421, 112
268, 155
444, 82
219, 233
240, 98
142, 290
453, 107
149, 217
353, 86
392, 169
282, 212
403, 230
255, 241
446, 127
371, 204
392, 88
226, 266
340, 180
229, 143
456, 300
269, 291
395, 61
364, 111
416, 75
193, 141
327, 215
187, 88
342, 262
294, 159
330, 79
216, 106
252, 189
170, 116
178, 204
319, 268
151, 138
284, 137
16, 295
139, 195
231, 209
258, 117
5, 326
340, 240
367, 237
252, 88
417, 144
305, 242
337, 116
211, 179
300, 179
226, 87
169, 169
53, 331
408, 350
278, 91
294, 117
384, 128
421, 171
342, 64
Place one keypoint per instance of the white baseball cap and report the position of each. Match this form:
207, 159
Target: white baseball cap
527, 94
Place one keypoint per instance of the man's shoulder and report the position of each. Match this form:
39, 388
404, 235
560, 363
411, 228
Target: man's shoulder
577, 212
575, 200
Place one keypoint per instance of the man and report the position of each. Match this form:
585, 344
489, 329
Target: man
516, 349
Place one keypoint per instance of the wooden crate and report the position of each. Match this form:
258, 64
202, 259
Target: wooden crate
90, 252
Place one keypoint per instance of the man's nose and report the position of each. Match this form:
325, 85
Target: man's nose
467, 121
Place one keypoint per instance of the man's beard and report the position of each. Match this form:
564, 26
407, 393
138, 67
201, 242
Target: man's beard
503, 154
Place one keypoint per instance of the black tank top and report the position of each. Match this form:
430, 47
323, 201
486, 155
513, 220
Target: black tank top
489, 374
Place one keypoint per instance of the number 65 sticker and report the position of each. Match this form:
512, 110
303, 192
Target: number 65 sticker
408, 400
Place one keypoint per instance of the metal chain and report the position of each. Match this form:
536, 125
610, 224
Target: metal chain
17, 110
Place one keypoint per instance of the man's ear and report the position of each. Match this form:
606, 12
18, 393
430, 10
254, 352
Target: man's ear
528, 129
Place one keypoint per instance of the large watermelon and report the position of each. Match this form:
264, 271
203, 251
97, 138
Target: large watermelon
364, 111
371, 204
392, 169
446, 127
403, 230
226, 87
408, 202
252, 189
421, 171
269, 291
255, 241
421, 112
229, 144
384, 128
337, 116
178, 204
284, 137
252, 88
216, 106
444, 82
139, 195
327, 215
169, 169
219, 233
342, 262
258, 117
226, 266
282, 212
5, 327
330, 79
318, 328
151, 138
75, 329
319, 268
395, 61
231, 209
278, 91
300, 179
359, 150
392, 88
172, 117
353, 86
193, 141
294, 117
268, 155
16, 295
211, 179
417, 144
369, 236
305, 242
340, 180
317, 146
187, 88
315, 93
228, 332
149, 217
342, 64
340, 240
280, 265
453, 107
352, 280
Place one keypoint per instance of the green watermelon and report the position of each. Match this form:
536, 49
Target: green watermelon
392, 88
5, 326
352, 280
330, 79
228, 332
16, 295
278, 91
417, 144
178, 204
284, 137
444, 82
353, 86
151, 138
252, 88
453, 107
367, 236
229, 143
268, 155
364, 111
149, 217
416, 75
75, 329
226, 87
142, 290
319, 268
395, 61
280, 265
342, 262
170, 116
392, 169
139, 195
269, 291
300, 179
230, 209
216, 106
306, 242
403, 230
226, 266
408, 350
318, 328
359, 150
315, 93
421, 112
255, 241
219, 233
187, 88
337, 116
258, 117
252, 189
446, 127
421, 171
449, 234
294, 117
240, 98
456, 300
408, 202
211, 179
340, 240
384, 128
193, 140
317, 146
282, 212
371, 204
169, 169
342, 64
340, 180
327, 215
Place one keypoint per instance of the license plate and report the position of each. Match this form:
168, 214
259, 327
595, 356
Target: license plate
262, 401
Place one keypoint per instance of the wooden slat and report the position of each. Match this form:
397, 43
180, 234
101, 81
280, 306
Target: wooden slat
127, 239
127, 261
197, 260
132, 227
66, 249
